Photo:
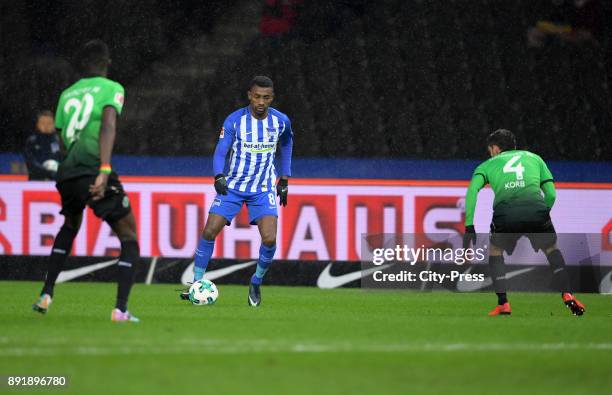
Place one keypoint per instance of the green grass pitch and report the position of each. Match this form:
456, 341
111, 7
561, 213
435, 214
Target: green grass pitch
306, 341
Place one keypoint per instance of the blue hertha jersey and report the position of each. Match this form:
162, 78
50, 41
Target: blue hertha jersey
252, 144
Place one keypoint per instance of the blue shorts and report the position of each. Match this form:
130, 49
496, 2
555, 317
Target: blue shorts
259, 205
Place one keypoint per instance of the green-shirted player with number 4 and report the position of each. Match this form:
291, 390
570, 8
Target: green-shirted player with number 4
86, 117
524, 194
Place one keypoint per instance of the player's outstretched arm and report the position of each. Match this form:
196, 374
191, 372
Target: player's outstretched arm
226, 139
471, 198
547, 184
286, 151
550, 193
108, 130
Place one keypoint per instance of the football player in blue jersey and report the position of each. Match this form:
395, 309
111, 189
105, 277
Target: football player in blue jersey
251, 135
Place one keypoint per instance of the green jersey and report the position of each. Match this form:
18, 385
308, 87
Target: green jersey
515, 177
79, 116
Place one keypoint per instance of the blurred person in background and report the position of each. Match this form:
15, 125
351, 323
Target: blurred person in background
42, 149
278, 17
572, 21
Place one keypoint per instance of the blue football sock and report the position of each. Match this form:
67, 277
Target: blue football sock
266, 254
202, 257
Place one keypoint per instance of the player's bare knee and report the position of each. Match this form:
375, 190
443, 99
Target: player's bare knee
210, 232
268, 239
212, 229
214, 226
73, 222
124, 230
127, 235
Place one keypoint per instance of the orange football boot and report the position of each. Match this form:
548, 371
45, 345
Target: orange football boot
501, 309
573, 304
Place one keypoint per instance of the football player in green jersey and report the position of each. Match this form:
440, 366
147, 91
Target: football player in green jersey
86, 120
524, 194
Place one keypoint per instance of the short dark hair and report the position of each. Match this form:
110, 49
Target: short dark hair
94, 55
262, 81
503, 138
44, 113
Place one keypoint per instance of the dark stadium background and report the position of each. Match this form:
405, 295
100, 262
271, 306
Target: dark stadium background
411, 79
390, 102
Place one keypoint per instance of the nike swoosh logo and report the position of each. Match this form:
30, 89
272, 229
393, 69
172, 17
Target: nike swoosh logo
470, 286
68, 275
326, 280
187, 276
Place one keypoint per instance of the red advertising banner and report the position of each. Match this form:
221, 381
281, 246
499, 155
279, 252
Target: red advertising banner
324, 219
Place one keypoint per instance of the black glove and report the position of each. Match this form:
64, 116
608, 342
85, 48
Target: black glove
282, 189
469, 236
220, 184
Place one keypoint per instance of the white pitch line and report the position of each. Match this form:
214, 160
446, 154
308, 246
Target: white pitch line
151, 271
241, 347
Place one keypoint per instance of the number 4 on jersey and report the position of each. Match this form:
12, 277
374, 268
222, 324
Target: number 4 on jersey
518, 170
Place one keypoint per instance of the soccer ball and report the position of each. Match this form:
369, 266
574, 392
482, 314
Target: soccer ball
203, 292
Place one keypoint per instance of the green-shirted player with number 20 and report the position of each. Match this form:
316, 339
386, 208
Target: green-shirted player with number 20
86, 117
524, 194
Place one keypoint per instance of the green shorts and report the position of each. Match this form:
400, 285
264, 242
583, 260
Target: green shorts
75, 196
511, 221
